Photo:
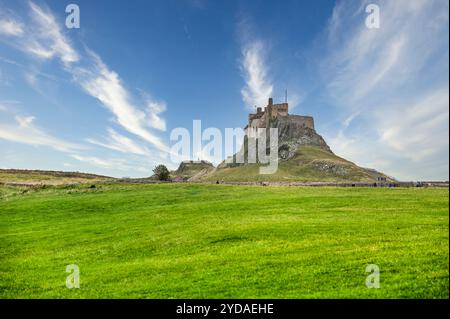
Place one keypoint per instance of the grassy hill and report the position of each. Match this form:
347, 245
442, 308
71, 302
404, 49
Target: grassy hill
31, 177
310, 164
222, 241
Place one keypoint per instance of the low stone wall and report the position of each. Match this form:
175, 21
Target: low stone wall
339, 184
281, 184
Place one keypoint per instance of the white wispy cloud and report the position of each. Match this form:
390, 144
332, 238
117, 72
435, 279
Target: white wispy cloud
24, 131
104, 163
395, 80
11, 28
106, 86
154, 109
43, 38
47, 38
120, 143
258, 87
257, 71
422, 130
115, 164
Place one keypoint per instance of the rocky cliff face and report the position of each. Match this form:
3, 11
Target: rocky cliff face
292, 135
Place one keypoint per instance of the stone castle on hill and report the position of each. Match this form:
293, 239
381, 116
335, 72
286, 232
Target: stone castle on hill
303, 154
293, 130
261, 119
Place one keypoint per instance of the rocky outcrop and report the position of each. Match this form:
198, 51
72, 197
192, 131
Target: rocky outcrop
291, 135
188, 169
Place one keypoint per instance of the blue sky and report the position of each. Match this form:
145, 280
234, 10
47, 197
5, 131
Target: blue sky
104, 98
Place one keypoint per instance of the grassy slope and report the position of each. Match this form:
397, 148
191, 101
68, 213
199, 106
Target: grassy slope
302, 167
47, 177
186, 241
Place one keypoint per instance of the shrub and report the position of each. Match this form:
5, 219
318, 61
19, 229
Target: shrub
161, 172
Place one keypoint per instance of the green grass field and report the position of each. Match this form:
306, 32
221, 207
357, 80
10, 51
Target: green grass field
219, 241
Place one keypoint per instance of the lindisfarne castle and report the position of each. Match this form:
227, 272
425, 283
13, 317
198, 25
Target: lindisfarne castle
298, 150
262, 118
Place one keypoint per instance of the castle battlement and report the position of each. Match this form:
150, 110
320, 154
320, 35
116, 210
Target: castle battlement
261, 119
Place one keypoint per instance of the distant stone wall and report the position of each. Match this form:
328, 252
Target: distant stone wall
307, 121
327, 184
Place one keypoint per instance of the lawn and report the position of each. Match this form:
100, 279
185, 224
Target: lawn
221, 241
